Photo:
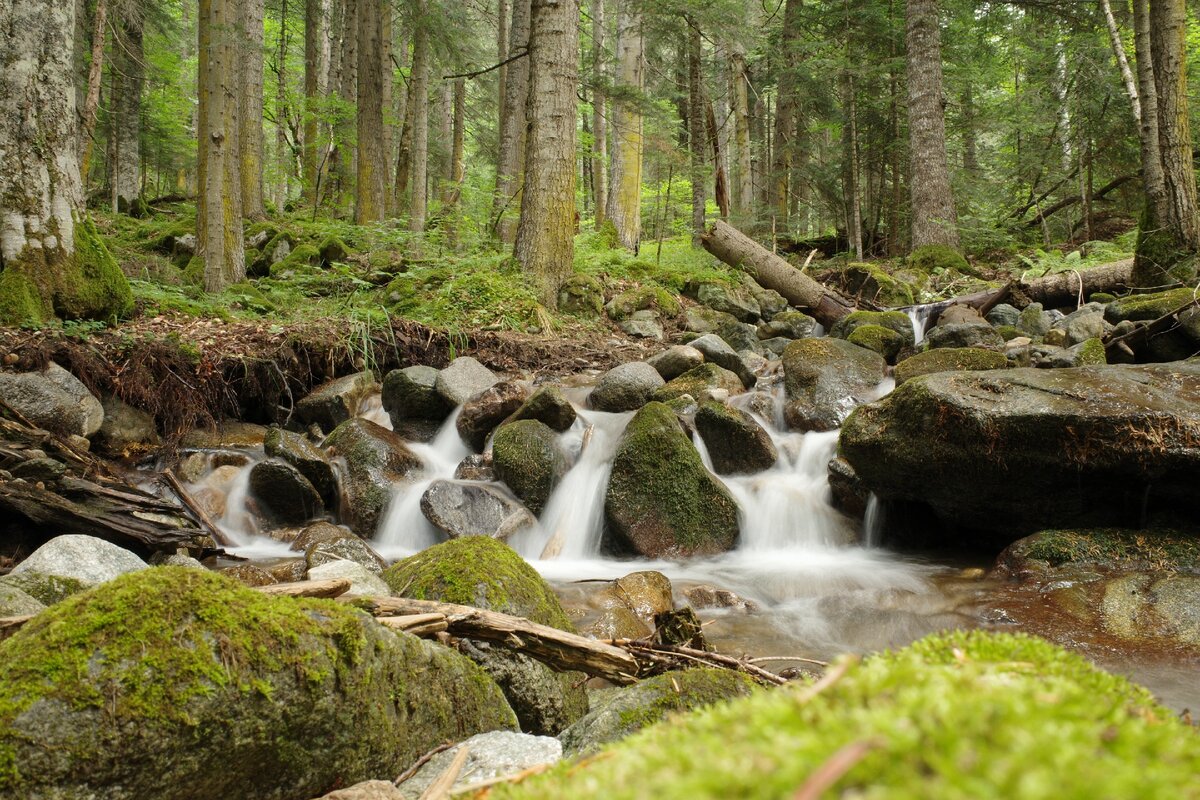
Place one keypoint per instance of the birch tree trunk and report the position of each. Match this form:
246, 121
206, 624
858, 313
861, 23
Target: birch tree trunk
512, 125
219, 204
545, 244
127, 117
743, 195
599, 118
934, 220
418, 110
250, 111
1152, 174
1118, 48
369, 197
625, 186
52, 262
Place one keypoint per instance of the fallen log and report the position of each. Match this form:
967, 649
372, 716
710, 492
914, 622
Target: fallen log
561, 650
423, 625
741, 252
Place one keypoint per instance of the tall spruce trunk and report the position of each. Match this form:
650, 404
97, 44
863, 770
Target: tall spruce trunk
283, 156
418, 111
511, 157
545, 243
91, 103
314, 24
934, 220
786, 114
250, 111
743, 195
343, 164
370, 184
52, 261
219, 204
127, 117
599, 117
625, 185
696, 130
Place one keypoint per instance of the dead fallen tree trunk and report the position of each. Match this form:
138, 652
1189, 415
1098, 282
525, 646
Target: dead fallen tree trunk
740, 251
561, 650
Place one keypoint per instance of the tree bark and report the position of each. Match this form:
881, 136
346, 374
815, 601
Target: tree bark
625, 185
545, 243
219, 205
503, 17
250, 111
934, 220
512, 125
599, 117
743, 195
457, 162
343, 162
1118, 48
741, 252
52, 262
283, 154
418, 111
127, 128
91, 103
314, 20
370, 184
786, 112
696, 130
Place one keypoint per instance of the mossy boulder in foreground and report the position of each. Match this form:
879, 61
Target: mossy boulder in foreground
179, 683
962, 715
661, 501
483, 572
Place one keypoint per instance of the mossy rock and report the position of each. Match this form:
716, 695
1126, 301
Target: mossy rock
875, 284
661, 501
626, 711
896, 321
1138, 307
643, 297
46, 589
547, 405
939, 258
15, 602
485, 573
376, 459
1160, 257
818, 377
947, 359
1008, 332
303, 258
697, 383
332, 250
581, 294
884, 341
959, 715
526, 457
1090, 352
736, 442
1108, 548
180, 683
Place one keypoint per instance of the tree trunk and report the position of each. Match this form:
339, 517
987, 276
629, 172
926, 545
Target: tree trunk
52, 262
343, 166
91, 103
503, 17
599, 118
786, 111
219, 204
457, 162
314, 20
545, 244
512, 125
741, 252
369, 197
743, 196
696, 130
1168, 244
934, 220
127, 127
1152, 171
282, 152
850, 188
418, 111
250, 111
1118, 48
625, 186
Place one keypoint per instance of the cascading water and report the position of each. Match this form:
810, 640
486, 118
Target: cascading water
919, 315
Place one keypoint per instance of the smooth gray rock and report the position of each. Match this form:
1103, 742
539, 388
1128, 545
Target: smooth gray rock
491, 755
363, 581
965, 334
788, 324
824, 379
705, 320
626, 387
84, 558
642, 327
367, 790
126, 430
1087, 322
717, 351
474, 509
463, 379
53, 399
1034, 321
735, 300
323, 542
1004, 314
14, 602
676, 360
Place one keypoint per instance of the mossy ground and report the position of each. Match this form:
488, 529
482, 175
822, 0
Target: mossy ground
961, 715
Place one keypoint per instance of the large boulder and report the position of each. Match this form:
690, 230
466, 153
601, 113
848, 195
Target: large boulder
661, 501
717, 351
306, 457
177, 683
965, 334
376, 458
474, 509
336, 401
1022, 449
823, 379
735, 442
622, 712
788, 325
526, 457
410, 394
483, 572
53, 399
85, 559
284, 492
462, 380
1046, 554
482, 413
676, 360
896, 321
738, 301
548, 405
626, 387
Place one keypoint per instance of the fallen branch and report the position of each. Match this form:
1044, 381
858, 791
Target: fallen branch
335, 587
1142, 333
834, 768
191, 505
663, 658
423, 625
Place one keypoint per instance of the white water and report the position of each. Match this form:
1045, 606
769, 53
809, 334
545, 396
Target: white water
920, 318
873, 521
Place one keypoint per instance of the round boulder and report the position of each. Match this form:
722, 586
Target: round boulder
736, 443
626, 387
527, 458
474, 509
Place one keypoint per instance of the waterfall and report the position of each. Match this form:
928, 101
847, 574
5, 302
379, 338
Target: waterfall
920, 319
873, 521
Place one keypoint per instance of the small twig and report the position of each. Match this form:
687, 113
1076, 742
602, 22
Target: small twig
472, 788
833, 769
832, 676
440, 789
766, 659
422, 761
486, 70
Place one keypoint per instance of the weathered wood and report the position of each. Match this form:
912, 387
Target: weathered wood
740, 251
1129, 342
10, 625
417, 624
191, 505
559, 649
334, 587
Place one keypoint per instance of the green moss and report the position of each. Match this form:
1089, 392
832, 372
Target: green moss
896, 321
939, 258
1102, 297
696, 380
47, 589
526, 456
961, 715
332, 250
20, 301
478, 571
193, 273
1009, 332
1138, 307
1108, 547
948, 359
884, 341
95, 288
875, 284
581, 294
643, 297
1091, 352
301, 258
1160, 258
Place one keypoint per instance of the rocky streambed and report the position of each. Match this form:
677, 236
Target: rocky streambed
807, 495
